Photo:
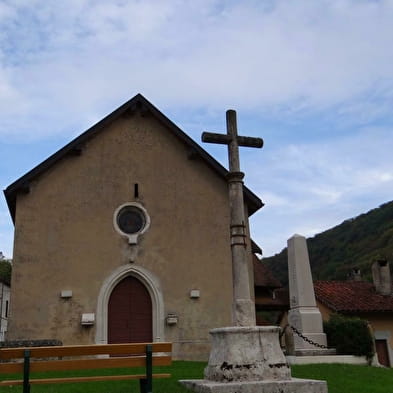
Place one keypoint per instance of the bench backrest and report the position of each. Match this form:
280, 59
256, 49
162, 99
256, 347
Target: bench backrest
124, 355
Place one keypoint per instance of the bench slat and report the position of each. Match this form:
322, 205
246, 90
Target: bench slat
81, 379
85, 364
84, 350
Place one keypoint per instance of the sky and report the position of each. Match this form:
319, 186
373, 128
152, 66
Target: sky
314, 79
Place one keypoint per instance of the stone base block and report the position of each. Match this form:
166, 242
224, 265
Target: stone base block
315, 352
306, 319
246, 354
343, 359
294, 385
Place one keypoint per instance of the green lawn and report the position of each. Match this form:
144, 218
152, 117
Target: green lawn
340, 378
345, 378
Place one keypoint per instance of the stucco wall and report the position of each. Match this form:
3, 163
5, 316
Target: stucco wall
325, 311
381, 323
382, 327
65, 238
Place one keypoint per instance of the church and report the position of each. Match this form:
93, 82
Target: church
123, 236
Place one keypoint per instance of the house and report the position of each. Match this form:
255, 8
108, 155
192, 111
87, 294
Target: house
271, 299
370, 301
4, 308
123, 236
353, 298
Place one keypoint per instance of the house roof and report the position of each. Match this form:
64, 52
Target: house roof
263, 277
352, 297
75, 146
255, 248
278, 301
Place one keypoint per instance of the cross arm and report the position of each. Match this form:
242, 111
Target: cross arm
249, 141
225, 139
211, 137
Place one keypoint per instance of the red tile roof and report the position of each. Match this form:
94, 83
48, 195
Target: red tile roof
352, 296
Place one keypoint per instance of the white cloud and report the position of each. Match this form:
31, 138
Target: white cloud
318, 69
273, 199
320, 184
64, 59
326, 194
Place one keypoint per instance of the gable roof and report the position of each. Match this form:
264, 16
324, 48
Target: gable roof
352, 297
263, 277
255, 248
75, 146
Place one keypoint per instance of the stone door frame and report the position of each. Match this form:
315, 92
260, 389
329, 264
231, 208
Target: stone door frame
385, 336
151, 283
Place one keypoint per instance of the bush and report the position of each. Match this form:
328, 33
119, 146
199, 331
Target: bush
350, 336
5, 271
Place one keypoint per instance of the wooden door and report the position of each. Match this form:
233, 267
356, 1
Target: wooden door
382, 352
129, 313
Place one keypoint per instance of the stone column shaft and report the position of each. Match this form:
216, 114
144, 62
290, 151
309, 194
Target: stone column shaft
243, 307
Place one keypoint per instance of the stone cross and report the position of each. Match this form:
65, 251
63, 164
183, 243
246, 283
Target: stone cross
243, 306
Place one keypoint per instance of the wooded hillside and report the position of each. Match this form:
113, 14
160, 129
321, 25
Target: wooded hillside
356, 242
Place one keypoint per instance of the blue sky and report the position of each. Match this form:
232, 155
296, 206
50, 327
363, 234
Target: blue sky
314, 79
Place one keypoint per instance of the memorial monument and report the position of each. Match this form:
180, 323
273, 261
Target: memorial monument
304, 314
245, 358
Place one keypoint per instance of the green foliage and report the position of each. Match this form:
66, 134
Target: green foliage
350, 336
356, 242
5, 271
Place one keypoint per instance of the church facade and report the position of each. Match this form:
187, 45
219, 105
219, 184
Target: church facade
123, 236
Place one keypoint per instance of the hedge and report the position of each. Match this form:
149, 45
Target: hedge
350, 336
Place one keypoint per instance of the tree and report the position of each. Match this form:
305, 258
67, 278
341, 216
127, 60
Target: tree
5, 269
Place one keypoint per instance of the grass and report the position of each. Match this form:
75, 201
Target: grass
178, 370
341, 378
346, 378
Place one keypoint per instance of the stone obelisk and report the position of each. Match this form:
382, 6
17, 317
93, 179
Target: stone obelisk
244, 358
304, 314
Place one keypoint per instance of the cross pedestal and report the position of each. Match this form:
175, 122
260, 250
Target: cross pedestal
245, 358
249, 360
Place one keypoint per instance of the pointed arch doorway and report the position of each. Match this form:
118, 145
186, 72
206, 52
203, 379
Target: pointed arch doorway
130, 316
153, 286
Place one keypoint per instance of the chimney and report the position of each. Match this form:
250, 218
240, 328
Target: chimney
381, 277
355, 275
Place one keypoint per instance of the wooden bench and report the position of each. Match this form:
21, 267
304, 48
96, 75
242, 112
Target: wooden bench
85, 357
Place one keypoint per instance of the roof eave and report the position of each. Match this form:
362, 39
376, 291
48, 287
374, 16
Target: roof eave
253, 202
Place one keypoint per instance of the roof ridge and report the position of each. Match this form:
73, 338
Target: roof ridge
138, 102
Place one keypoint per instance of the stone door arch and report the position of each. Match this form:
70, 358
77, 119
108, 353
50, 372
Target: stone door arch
152, 287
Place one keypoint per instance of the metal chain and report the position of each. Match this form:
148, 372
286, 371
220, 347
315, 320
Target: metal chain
303, 337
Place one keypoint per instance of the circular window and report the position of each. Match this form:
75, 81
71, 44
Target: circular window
131, 220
